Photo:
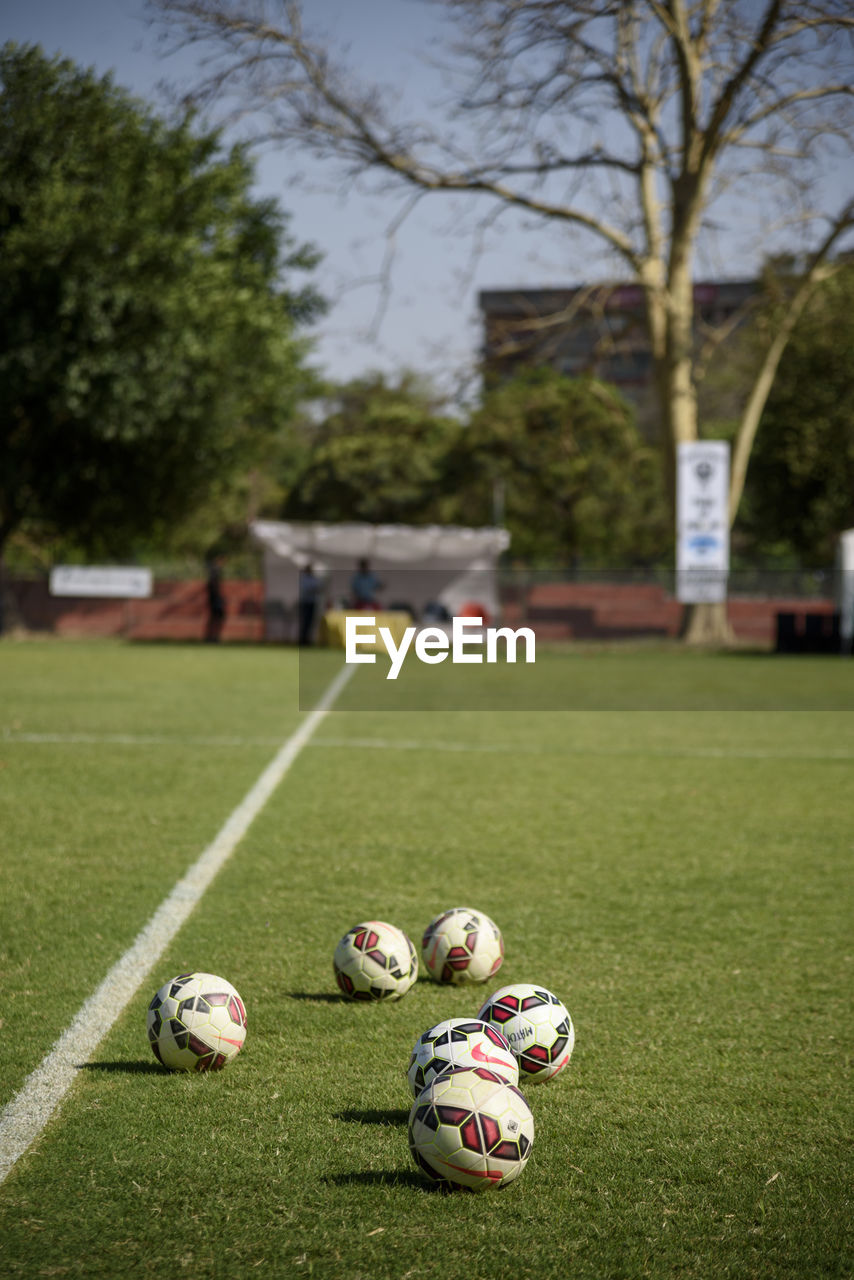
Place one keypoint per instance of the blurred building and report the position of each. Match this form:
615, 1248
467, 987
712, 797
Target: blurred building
596, 329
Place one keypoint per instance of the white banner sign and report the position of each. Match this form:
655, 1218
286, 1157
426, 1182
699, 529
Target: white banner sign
702, 521
845, 588
116, 581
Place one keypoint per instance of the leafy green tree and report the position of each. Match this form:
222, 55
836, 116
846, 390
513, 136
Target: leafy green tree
148, 336
578, 480
799, 494
379, 453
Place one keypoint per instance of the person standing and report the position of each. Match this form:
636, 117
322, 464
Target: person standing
364, 586
310, 586
216, 600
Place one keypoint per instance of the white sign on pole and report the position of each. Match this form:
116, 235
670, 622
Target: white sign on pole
845, 588
118, 582
702, 521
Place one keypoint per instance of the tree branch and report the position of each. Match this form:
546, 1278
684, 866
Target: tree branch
758, 47
816, 270
780, 105
313, 104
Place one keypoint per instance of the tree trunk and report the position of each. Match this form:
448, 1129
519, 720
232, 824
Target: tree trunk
9, 615
674, 369
707, 626
5, 530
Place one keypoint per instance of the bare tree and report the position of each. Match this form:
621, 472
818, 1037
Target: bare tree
628, 120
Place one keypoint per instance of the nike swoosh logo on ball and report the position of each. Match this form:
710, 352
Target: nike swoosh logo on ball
479, 1056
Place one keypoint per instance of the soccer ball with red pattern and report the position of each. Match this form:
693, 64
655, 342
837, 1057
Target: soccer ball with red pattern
460, 1042
470, 1128
375, 961
537, 1025
196, 1022
462, 945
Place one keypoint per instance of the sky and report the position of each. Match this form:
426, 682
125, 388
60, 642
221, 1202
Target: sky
429, 322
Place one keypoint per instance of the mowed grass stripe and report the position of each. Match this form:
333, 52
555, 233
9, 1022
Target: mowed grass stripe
23, 1119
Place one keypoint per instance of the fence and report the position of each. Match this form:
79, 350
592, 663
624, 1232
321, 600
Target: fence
576, 608
175, 611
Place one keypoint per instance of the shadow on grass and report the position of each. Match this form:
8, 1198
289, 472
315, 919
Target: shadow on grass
323, 997
388, 1178
141, 1067
353, 1116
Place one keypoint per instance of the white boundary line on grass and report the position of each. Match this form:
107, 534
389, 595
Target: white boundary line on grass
134, 739
24, 1118
405, 744
523, 749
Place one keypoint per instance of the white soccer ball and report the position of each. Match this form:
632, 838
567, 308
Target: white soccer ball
471, 1129
375, 961
462, 945
196, 1022
460, 1042
537, 1025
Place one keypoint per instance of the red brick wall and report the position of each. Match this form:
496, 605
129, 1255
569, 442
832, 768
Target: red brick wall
175, 611
556, 611
607, 611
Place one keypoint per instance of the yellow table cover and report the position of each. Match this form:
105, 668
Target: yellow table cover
333, 622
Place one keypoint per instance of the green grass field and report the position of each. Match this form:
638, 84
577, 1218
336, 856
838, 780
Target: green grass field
679, 875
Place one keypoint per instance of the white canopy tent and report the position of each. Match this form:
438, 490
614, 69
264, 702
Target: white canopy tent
418, 565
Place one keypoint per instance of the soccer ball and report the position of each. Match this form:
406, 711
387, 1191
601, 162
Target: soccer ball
460, 1042
196, 1022
462, 945
472, 1129
375, 961
537, 1025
